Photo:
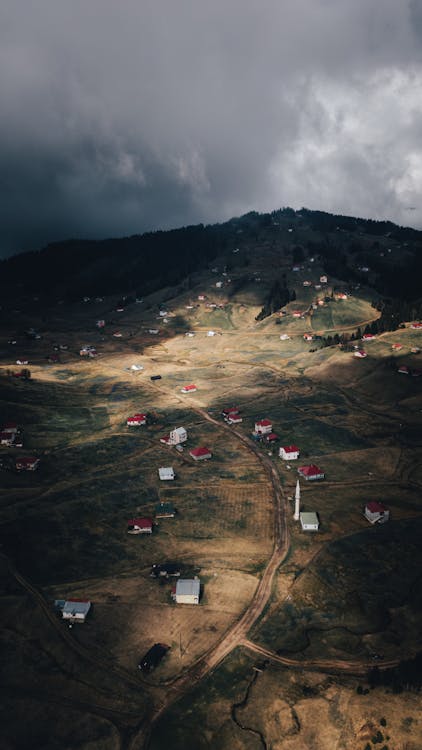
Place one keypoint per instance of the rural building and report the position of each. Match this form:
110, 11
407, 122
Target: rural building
136, 420
152, 658
165, 510
368, 336
284, 337
187, 591
376, 512
404, 370
323, 279
27, 463
360, 354
88, 351
166, 570
308, 336
199, 454
416, 325
100, 323
155, 377
311, 472
309, 521
202, 297
263, 427
211, 333
153, 331
297, 313
307, 283
233, 418
188, 388
271, 438
396, 347
139, 526
341, 295
219, 284
165, 473
289, 452
178, 435
75, 610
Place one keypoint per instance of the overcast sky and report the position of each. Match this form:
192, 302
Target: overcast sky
118, 117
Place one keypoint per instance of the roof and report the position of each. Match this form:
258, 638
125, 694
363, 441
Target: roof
76, 607
27, 460
143, 523
190, 387
309, 517
200, 452
290, 448
164, 508
264, 423
188, 587
272, 436
375, 507
166, 472
310, 471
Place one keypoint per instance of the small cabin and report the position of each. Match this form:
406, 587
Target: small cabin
139, 526
376, 512
178, 435
289, 452
166, 473
263, 427
187, 591
75, 610
309, 521
311, 472
199, 454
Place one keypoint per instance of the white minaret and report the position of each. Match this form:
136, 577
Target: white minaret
297, 501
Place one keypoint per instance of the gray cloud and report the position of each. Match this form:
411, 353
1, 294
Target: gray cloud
122, 117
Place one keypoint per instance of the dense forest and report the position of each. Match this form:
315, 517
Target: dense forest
147, 262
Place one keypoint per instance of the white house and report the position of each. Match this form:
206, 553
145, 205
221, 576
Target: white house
187, 591
284, 337
219, 284
166, 472
309, 521
75, 610
289, 452
376, 512
178, 435
263, 427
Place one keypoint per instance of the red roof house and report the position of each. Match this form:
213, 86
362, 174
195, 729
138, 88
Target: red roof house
199, 454
139, 526
403, 370
289, 452
368, 336
311, 472
271, 437
263, 427
360, 353
416, 325
27, 463
376, 512
188, 388
136, 420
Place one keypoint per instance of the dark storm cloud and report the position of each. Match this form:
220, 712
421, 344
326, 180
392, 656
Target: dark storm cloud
120, 117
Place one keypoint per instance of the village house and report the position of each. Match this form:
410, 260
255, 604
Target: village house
166, 473
153, 331
233, 418
289, 452
75, 610
376, 512
27, 463
297, 313
188, 388
271, 437
202, 297
308, 336
178, 435
187, 591
284, 337
165, 510
139, 526
396, 347
416, 325
136, 420
200, 454
309, 521
219, 284
307, 283
263, 427
368, 336
311, 472
360, 354
341, 295
100, 323
323, 279
403, 370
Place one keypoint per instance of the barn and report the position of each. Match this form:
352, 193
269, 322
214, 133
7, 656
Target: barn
187, 591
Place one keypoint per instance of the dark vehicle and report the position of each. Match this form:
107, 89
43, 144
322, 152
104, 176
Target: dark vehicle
155, 377
152, 658
165, 570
